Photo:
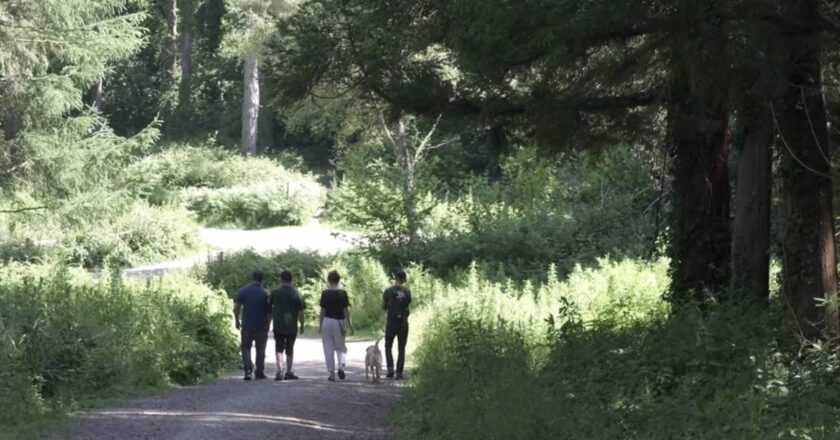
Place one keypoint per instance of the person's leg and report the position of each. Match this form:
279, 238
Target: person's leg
278, 350
389, 345
341, 351
290, 354
245, 341
402, 338
260, 339
329, 345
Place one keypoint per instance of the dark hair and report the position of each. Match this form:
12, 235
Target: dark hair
286, 275
399, 275
257, 276
333, 277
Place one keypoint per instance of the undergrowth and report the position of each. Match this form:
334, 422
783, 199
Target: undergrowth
601, 356
66, 339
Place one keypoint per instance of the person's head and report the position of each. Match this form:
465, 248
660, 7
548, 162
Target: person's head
285, 276
333, 277
257, 276
399, 276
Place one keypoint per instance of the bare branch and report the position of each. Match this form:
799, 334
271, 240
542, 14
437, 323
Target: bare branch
429, 134
19, 210
387, 130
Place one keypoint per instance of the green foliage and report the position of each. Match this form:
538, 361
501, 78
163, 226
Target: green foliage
224, 189
65, 339
611, 363
142, 234
371, 196
250, 207
229, 272
540, 213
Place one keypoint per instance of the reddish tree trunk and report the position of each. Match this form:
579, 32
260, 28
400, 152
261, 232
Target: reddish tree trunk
751, 231
701, 236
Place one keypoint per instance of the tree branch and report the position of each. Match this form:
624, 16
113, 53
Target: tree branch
19, 210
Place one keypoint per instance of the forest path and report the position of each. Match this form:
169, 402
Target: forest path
312, 236
230, 408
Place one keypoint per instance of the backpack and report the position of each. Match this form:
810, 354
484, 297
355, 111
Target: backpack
398, 304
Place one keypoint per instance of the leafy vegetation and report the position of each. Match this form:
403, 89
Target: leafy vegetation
531, 163
65, 338
504, 363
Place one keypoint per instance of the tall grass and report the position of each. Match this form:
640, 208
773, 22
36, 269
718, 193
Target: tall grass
65, 339
601, 356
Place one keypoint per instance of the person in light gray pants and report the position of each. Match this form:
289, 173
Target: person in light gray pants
334, 322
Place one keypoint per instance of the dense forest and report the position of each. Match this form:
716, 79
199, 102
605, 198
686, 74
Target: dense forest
618, 216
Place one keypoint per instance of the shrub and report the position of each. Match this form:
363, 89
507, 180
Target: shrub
225, 189
252, 207
65, 338
610, 363
142, 234
229, 272
540, 213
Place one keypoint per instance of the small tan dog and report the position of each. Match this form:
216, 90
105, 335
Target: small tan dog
373, 362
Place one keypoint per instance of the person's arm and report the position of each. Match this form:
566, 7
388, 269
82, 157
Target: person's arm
382, 301
237, 308
321, 319
301, 308
349, 320
347, 316
301, 320
268, 311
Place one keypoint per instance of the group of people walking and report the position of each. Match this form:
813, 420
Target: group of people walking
256, 310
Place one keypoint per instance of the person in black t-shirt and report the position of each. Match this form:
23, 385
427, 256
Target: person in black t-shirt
395, 302
334, 322
287, 308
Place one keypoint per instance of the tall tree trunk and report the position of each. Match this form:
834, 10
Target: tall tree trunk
406, 160
810, 269
95, 96
701, 240
171, 13
250, 105
186, 54
751, 231
699, 132
499, 146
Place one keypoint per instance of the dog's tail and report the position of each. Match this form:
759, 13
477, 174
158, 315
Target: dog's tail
377, 342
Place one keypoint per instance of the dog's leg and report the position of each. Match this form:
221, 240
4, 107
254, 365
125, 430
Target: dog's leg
367, 367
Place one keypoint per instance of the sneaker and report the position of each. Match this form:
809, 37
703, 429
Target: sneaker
341, 374
390, 375
279, 376
247, 375
260, 376
399, 376
290, 376
331, 378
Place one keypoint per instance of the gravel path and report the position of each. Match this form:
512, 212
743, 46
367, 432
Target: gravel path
229, 408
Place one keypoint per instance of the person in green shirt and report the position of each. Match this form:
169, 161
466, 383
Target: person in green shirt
287, 312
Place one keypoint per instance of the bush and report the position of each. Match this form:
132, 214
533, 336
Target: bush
65, 338
229, 272
143, 234
540, 215
225, 189
252, 207
587, 207
611, 363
